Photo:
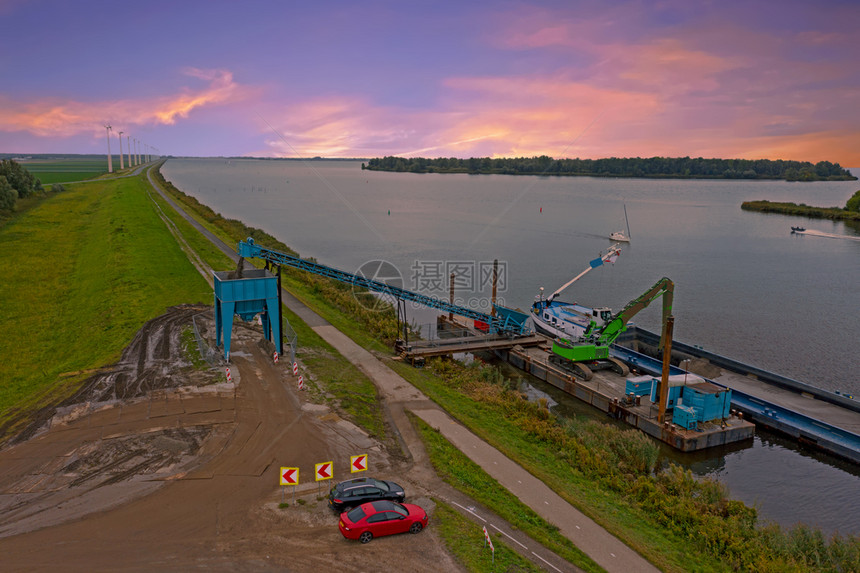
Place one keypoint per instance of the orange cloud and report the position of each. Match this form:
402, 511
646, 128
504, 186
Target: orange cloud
540, 116
494, 116
526, 116
838, 146
49, 117
666, 65
338, 127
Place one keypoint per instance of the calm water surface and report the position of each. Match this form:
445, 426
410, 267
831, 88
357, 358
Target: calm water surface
744, 286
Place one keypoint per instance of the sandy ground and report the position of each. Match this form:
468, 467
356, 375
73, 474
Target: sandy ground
156, 466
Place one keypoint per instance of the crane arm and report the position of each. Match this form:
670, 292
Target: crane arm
664, 287
609, 257
249, 249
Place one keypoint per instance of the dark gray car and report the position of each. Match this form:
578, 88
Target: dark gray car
356, 491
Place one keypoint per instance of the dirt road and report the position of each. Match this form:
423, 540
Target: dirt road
187, 478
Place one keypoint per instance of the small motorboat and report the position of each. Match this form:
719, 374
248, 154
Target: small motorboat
798, 229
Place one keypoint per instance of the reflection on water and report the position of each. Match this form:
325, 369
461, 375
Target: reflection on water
786, 482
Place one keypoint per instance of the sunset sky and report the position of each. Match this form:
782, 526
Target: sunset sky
749, 79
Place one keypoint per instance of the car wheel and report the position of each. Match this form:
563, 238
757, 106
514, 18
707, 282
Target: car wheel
416, 527
366, 537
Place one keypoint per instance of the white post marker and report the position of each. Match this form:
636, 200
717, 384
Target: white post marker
301, 383
276, 356
295, 368
490, 542
229, 377
358, 463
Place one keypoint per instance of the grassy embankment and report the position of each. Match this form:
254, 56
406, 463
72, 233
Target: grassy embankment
83, 270
680, 523
851, 212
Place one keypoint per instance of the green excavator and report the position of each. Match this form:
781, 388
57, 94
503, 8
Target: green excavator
591, 351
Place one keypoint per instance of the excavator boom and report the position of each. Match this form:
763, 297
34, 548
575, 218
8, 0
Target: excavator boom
592, 350
664, 287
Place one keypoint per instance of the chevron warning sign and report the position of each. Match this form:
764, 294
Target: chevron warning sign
358, 463
289, 476
324, 471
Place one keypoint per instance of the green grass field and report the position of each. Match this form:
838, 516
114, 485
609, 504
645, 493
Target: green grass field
50, 171
83, 271
49, 178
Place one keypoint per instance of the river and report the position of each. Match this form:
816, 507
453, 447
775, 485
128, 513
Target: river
745, 286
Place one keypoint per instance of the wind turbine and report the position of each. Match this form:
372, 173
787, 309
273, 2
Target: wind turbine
121, 166
110, 162
128, 147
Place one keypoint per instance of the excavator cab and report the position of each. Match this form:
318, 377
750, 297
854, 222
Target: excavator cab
604, 314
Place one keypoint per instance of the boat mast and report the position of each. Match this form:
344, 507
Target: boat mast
626, 220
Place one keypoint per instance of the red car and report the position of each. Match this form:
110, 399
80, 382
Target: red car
378, 518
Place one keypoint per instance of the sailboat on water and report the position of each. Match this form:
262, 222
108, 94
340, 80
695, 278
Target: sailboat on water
619, 235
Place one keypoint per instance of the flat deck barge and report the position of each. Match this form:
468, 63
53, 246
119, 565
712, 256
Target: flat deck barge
824, 420
816, 417
606, 391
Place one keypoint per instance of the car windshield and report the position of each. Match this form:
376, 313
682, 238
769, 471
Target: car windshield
400, 509
355, 515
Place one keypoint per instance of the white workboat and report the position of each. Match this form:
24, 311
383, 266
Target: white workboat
559, 319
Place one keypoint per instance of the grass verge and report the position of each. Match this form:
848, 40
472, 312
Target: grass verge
465, 475
465, 540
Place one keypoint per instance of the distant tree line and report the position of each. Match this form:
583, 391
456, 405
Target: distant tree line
851, 212
15, 183
680, 167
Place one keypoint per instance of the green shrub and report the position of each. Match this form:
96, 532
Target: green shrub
853, 203
8, 195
